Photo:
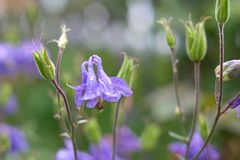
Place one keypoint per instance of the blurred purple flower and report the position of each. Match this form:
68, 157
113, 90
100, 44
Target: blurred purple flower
98, 87
128, 142
18, 58
210, 152
11, 106
235, 103
67, 153
103, 150
8, 64
16, 138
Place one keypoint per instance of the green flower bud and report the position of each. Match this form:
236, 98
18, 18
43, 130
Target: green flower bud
149, 136
93, 131
196, 42
5, 144
231, 70
222, 11
169, 35
63, 41
203, 127
5, 94
44, 64
128, 69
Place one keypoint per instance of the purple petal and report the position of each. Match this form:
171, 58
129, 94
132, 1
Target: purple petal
121, 86
91, 90
79, 90
92, 103
128, 142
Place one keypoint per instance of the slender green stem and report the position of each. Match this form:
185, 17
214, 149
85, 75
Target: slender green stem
175, 81
196, 104
58, 64
115, 124
72, 125
220, 91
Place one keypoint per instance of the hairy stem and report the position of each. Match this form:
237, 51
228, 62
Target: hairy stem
175, 82
196, 104
220, 91
115, 124
62, 93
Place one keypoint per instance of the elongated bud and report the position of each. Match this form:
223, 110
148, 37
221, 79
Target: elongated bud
169, 35
149, 136
222, 11
93, 131
231, 70
203, 127
196, 42
63, 41
44, 64
128, 69
5, 143
5, 94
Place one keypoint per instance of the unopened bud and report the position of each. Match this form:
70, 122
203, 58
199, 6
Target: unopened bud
44, 64
93, 131
149, 136
169, 35
203, 127
128, 69
231, 70
222, 11
196, 42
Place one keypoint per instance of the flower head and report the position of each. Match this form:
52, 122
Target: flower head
11, 106
235, 104
96, 87
67, 153
231, 69
179, 149
16, 139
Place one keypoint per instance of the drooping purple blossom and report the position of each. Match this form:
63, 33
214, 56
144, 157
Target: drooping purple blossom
96, 87
18, 58
67, 153
8, 65
10, 108
17, 141
127, 144
235, 104
179, 149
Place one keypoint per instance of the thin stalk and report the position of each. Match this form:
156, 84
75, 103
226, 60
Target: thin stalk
196, 104
220, 91
58, 64
175, 82
115, 124
62, 93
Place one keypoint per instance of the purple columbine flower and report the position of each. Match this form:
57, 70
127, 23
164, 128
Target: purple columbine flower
16, 138
97, 87
179, 149
103, 150
11, 106
128, 142
235, 104
67, 153
8, 65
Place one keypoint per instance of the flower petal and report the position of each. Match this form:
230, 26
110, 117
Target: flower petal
92, 103
121, 86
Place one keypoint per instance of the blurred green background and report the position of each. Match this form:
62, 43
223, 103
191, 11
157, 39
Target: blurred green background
106, 28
